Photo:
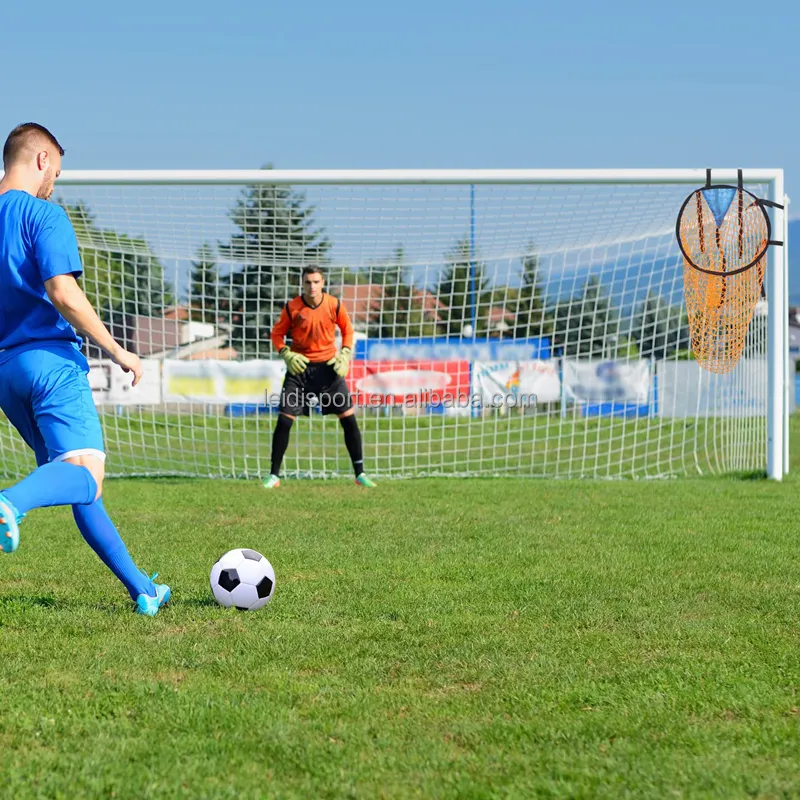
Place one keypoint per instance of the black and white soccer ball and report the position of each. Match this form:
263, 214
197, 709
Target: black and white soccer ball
243, 579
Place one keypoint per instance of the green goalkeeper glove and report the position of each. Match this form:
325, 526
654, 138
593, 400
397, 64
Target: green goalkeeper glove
295, 362
341, 362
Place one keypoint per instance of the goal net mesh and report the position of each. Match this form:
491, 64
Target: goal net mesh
501, 330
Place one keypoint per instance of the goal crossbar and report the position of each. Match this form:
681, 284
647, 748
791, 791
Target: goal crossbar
689, 177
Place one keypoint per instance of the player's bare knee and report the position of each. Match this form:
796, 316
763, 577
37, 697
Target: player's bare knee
96, 467
348, 413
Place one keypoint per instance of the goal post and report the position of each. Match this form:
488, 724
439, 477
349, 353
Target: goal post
777, 343
508, 322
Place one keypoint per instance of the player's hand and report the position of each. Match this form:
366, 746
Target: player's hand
341, 362
296, 363
129, 362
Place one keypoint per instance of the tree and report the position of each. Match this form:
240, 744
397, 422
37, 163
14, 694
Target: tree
207, 298
144, 291
338, 276
402, 314
659, 330
276, 237
462, 288
121, 275
530, 316
587, 326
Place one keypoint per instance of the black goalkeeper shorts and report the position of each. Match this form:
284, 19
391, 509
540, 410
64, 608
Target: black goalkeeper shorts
317, 381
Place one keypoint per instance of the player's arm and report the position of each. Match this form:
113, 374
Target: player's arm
341, 362
295, 362
74, 306
346, 327
280, 329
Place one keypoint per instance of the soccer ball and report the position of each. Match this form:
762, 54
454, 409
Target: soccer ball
244, 579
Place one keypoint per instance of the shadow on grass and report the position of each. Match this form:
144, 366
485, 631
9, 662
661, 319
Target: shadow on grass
19, 602
13, 604
11, 601
754, 475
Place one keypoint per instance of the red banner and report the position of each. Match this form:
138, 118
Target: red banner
396, 382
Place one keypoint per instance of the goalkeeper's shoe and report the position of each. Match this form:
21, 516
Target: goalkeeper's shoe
272, 482
9, 525
365, 482
150, 606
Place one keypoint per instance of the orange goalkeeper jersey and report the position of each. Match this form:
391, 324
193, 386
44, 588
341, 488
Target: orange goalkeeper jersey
313, 330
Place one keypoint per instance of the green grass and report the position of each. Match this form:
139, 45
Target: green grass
141, 442
433, 638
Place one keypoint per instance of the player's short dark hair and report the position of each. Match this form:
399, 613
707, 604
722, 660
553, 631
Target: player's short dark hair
18, 140
310, 269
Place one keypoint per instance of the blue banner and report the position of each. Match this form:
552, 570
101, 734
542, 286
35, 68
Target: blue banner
431, 348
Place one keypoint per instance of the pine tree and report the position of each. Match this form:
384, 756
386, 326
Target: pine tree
659, 330
207, 298
587, 326
276, 237
402, 314
462, 289
530, 316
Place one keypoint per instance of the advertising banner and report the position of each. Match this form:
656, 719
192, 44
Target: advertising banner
429, 348
516, 383
379, 383
609, 388
111, 386
686, 390
222, 382
607, 381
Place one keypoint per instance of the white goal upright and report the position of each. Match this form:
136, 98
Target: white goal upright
508, 322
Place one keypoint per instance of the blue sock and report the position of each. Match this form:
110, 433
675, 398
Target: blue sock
97, 528
54, 484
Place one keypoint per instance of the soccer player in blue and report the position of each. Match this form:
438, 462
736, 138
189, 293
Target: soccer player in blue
44, 390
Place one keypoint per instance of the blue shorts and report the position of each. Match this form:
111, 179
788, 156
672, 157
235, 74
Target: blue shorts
46, 396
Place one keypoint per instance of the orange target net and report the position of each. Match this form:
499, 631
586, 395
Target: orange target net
723, 233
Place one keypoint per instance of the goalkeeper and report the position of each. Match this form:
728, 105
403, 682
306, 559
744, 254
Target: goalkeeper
314, 368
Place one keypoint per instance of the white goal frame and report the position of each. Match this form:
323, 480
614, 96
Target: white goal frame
777, 265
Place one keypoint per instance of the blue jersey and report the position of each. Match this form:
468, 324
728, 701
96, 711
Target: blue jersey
37, 242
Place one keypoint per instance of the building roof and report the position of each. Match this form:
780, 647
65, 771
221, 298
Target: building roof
177, 312
362, 301
499, 314
216, 354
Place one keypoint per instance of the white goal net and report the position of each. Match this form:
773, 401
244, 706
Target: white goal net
502, 328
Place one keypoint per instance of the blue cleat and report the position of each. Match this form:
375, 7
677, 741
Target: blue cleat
150, 606
9, 526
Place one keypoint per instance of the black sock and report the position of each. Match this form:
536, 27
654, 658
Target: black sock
352, 438
280, 441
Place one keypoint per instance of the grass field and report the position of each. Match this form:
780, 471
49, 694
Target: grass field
144, 442
433, 638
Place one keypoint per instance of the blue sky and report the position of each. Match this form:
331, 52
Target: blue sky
415, 84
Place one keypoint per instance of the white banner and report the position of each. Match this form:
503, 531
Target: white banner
686, 390
111, 386
515, 383
223, 382
587, 381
